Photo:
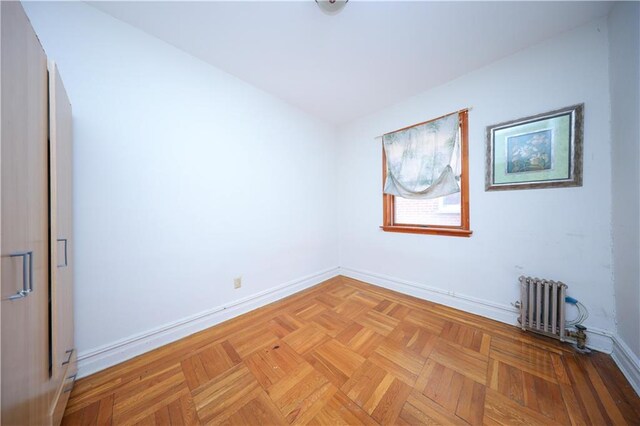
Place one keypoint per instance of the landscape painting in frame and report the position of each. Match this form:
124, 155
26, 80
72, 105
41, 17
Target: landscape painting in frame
541, 151
529, 152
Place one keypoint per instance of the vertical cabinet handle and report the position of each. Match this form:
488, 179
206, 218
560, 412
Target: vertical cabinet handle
66, 263
70, 352
27, 275
70, 387
30, 271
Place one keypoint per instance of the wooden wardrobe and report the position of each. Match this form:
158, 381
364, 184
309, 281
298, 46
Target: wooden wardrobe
38, 353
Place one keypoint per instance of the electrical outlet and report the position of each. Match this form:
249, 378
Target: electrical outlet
237, 282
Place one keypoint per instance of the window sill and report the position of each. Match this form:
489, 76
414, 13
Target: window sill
453, 232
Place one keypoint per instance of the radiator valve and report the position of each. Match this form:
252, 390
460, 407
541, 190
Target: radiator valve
581, 338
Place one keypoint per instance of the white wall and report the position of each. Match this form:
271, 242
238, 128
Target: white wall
624, 73
185, 177
561, 234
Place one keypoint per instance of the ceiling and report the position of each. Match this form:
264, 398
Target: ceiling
370, 55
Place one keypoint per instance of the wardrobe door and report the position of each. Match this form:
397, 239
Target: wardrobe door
24, 222
61, 186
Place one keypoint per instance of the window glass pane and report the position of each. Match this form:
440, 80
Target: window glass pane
438, 211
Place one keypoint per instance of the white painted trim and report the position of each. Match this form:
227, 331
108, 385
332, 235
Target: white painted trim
100, 358
599, 340
499, 312
627, 361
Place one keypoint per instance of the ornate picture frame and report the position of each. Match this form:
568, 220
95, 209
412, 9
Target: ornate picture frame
540, 151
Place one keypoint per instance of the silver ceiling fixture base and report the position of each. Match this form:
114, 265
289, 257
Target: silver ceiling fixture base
331, 7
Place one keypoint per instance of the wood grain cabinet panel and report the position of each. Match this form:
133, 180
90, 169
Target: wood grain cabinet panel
24, 222
38, 352
63, 353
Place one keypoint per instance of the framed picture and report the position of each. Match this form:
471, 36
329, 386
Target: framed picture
541, 151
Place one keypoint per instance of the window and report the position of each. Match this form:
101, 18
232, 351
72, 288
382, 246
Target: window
439, 215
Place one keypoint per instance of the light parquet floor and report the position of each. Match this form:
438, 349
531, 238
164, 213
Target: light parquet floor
345, 352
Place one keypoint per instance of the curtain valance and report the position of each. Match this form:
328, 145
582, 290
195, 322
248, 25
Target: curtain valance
423, 161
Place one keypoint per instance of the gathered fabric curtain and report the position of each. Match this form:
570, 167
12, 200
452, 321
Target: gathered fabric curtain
423, 161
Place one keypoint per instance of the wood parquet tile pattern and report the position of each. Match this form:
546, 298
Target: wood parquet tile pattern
345, 352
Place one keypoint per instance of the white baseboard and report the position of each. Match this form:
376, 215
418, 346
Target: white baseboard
599, 340
98, 359
627, 361
499, 312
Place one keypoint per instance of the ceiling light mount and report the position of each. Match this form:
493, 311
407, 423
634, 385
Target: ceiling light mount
331, 7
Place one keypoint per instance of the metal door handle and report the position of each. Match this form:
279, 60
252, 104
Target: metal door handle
70, 352
65, 264
70, 387
27, 275
30, 271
